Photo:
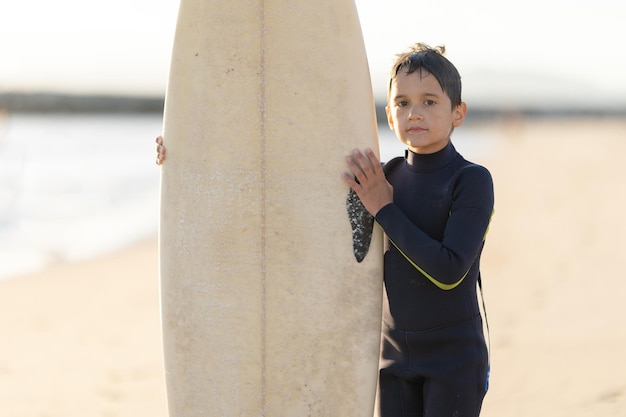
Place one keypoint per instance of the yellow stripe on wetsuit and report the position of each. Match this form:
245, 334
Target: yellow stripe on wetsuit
438, 283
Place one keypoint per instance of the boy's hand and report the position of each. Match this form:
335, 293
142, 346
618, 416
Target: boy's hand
160, 150
369, 183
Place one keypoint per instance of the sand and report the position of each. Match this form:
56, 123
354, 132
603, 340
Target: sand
83, 339
553, 273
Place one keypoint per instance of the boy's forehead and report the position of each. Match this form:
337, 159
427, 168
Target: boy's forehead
417, 80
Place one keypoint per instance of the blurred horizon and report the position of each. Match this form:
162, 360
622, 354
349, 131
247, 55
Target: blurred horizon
536, 55
89, 103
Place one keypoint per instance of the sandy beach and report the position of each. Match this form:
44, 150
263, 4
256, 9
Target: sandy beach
83, 339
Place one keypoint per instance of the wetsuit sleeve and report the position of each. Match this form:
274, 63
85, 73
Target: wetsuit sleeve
446, 262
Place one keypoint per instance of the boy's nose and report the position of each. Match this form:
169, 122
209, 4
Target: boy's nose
414, 113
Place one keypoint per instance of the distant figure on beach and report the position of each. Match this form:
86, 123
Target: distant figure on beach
435, 208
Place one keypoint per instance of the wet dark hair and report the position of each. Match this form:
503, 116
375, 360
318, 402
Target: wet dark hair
421, 57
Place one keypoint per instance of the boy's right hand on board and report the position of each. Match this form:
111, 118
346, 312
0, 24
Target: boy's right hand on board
160, 150
368, 180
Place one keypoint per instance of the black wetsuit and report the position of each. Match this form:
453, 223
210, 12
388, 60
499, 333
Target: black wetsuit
434, 360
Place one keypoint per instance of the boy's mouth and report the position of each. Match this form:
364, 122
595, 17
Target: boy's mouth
416, 129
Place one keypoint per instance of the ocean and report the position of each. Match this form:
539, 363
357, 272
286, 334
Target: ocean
75, 186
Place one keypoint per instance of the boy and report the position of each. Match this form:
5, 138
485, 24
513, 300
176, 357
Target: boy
435, 208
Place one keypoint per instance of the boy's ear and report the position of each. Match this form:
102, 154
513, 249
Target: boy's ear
458, 115
389, 118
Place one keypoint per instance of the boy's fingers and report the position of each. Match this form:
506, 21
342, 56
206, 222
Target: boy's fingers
354, 167
352, 183
368, 162
363, 162
373, 160
160, 150
348, 178
360, 158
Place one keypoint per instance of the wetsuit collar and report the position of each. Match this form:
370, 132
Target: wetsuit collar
431, 161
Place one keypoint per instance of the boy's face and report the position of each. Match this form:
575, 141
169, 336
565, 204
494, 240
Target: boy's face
420, 112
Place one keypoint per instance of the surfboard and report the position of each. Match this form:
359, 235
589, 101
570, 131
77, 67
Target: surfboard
270, 273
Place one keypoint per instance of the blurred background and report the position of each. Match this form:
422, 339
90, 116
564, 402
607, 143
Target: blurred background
82, 85
81, 99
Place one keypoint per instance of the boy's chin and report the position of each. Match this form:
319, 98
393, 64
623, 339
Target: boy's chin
426, 148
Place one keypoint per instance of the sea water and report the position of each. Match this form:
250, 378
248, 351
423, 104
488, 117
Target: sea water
77, 186
72, 187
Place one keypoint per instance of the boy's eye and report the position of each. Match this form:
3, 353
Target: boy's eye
429, 102
402, 103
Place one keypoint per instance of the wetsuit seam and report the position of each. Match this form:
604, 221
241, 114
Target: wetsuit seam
432, 329
408, 369
438, 283
480, 378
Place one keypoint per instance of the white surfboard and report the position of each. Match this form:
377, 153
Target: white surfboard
270, 288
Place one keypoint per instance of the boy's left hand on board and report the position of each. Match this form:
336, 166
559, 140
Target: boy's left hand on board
160, 150
369, 183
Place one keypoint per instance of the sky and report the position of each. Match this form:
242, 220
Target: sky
537, 53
